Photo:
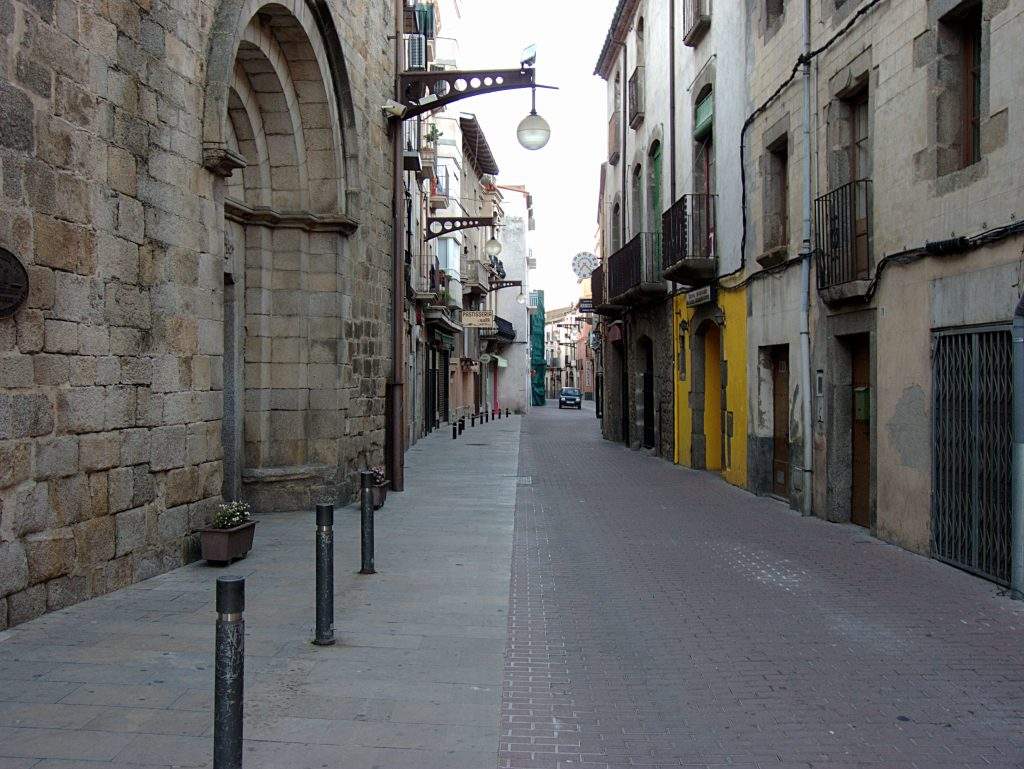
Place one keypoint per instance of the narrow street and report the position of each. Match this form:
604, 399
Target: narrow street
657, 617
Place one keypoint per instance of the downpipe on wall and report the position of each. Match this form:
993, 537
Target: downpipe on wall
805, 268
396, 420
1017, 482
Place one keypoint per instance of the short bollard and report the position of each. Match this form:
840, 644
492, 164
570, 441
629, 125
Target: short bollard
506, 413
455, 431
366, 510
486, 417
472, 420
229, 673
324, 575
499, 413
462, 424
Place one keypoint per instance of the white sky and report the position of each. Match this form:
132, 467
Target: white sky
563, 176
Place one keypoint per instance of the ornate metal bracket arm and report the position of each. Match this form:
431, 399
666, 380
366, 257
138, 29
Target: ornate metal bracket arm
443, 225
425, 91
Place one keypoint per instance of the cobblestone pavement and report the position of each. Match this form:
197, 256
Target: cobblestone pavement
660, 617
125, 681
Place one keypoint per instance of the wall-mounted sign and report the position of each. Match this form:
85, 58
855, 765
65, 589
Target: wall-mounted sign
13, 283
477, 319
701, 295
586, 306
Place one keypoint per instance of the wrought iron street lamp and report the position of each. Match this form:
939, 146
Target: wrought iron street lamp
533, 132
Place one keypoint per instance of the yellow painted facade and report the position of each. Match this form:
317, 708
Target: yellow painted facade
727, 343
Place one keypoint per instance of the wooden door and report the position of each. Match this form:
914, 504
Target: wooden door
780, 421
860, 432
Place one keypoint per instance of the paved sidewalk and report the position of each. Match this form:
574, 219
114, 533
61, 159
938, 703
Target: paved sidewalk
127, 680
660, 617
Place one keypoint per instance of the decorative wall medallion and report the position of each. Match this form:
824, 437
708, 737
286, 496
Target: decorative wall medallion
13, 283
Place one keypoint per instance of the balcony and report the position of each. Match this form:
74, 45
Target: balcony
440, 187
615, 137
842, 223
475, 278
635, 95
597, 286
634, 271
691, 256
503, 332
696, 20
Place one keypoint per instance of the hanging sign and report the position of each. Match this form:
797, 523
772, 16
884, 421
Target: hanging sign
13, 283
477, 319
586, 306
700, 296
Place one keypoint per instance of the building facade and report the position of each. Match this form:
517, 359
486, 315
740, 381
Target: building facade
192, 190
841, 288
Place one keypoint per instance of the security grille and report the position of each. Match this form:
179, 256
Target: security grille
971, 462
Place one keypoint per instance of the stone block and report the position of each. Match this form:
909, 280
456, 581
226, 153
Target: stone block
172, 523
93, 340
40, 286
76, 298
131, 530
81, 409
120, 488
16, 119
168, 446
136, 370
28, 604
131, 220
96, 540
16, 371
26, 509
98, 496
181, 486
50, 370
30, 327
70, 499
110, 576
15, 463
81, 370
50, 554
13, 568
127, 306
56, 457
120, 410
108, 371
31, 415
62, 245
135, 446
122, 173
117, 258
100, 451
60, 336
143, 485
65, 591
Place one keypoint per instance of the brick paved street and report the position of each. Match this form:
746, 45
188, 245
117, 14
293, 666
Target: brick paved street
662, 618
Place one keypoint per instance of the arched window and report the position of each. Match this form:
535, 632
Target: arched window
616, 228
654, 205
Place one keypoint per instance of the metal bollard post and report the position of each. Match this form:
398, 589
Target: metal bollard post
324, 575
366, 510
472, 420
462, 424
455, 431
507, 414
229, 673
499, 413
487, 416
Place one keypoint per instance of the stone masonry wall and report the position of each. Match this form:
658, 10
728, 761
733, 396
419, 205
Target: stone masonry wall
110, 374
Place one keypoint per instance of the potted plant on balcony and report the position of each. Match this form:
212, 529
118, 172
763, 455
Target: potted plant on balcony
378, 487
230, 535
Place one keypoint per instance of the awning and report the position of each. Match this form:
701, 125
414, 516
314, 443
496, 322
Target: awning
501, 362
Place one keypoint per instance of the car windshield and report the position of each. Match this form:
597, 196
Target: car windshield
570, 391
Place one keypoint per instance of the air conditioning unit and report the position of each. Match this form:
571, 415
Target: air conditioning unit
416, 52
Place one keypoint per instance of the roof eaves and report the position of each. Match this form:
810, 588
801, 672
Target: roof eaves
616, 35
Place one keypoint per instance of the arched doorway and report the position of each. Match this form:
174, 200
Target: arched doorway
275, 133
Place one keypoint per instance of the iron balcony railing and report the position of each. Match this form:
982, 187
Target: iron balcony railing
614, 137
842, 223
689, 227
503, 330
597, 286
636, 263
635, 95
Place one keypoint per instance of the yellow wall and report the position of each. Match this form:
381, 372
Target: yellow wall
734, 340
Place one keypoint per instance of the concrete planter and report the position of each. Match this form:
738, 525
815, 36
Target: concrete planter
378, 494
226, 545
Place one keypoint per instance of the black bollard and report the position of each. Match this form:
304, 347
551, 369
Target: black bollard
486, 416
366, 510
455, 431
324, 575
472, 420
499, 413
229, 673
506, 413
462, 424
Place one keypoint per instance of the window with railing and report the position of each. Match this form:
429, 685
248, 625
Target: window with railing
635, 264
689, 227
440, 187
614, 137
696, 20
842, 223
597, 285
636, 97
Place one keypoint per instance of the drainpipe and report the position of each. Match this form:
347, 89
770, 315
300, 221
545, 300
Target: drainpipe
1017, 493
396, 420
805, 267
672, 97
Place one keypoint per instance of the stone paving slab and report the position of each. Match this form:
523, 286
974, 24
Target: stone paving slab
660, 617
126, 681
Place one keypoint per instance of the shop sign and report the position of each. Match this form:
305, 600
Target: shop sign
477, 319
699, 296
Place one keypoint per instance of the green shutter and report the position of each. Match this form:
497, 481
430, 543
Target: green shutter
704, 116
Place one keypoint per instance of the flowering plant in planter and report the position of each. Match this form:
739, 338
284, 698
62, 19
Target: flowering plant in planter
232, 514
230, 535
379, 489
377, 473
